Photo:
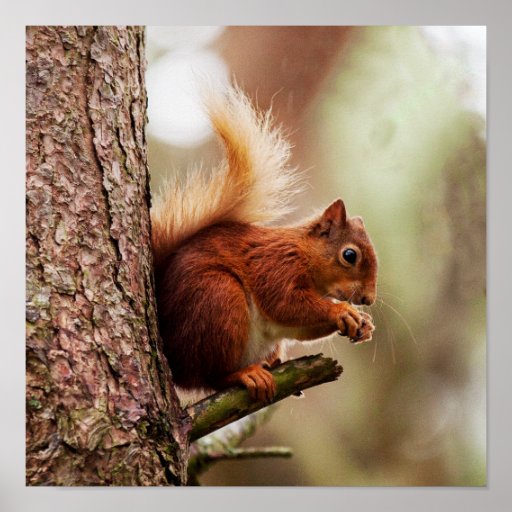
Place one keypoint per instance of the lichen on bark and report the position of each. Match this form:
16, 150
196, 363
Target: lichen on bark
101, 408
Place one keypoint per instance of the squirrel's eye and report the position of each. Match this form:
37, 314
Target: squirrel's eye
350, 256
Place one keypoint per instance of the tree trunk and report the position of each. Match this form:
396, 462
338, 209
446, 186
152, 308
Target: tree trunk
101, 407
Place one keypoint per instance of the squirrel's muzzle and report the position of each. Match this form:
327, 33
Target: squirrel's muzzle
368, 299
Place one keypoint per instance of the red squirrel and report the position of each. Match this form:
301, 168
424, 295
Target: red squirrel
229, 287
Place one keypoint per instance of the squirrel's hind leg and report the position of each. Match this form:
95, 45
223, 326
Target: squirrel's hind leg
223, 313
258, 381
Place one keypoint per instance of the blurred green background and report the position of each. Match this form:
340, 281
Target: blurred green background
391, 119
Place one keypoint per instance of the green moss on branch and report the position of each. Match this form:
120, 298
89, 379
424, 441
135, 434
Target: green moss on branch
234, 403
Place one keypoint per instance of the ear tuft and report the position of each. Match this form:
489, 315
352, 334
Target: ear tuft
334, 217
336, 213
358, 220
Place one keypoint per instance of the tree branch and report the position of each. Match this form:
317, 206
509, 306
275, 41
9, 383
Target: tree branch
251, 453
223, 445
203, 462
234, 403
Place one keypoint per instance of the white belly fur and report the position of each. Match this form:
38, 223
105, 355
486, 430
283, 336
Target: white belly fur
264, 335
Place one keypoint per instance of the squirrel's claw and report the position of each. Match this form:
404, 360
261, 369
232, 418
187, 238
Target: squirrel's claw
365, 332
259, 382
356, 325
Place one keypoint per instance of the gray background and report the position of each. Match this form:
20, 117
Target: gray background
495, 14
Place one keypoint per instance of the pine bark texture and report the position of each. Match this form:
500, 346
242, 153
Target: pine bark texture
101, 408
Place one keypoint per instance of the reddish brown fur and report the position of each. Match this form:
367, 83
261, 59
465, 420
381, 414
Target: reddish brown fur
205, 286
229, 290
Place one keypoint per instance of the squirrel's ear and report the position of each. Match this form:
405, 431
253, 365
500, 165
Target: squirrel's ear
358, 220
335, 216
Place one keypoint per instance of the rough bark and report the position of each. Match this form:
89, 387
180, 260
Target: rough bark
101, 408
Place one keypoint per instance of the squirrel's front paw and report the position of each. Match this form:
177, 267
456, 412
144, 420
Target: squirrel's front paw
356, 325
366, 331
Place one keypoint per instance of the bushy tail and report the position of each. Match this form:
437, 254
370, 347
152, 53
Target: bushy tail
253, 184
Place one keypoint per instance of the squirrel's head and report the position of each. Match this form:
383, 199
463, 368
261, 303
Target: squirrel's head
345, 260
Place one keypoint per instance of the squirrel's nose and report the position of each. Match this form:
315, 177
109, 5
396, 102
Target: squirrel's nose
367, 300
